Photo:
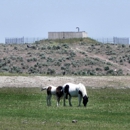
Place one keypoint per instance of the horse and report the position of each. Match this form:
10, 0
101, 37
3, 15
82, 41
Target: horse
52, 90
75, 90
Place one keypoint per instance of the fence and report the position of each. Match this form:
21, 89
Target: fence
114, 40
21, 40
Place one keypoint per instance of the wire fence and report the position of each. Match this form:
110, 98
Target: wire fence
22, 40
114, 40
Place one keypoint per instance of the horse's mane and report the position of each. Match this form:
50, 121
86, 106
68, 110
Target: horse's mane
82, 88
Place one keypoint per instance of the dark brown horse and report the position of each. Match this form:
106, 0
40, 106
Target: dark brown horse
52, 90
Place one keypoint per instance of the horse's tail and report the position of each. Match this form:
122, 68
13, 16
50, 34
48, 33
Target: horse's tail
44, 88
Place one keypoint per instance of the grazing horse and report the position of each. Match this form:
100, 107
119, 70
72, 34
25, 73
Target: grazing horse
75, 90
51, 90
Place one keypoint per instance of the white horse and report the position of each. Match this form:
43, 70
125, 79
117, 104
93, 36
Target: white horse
75, 90
51, 90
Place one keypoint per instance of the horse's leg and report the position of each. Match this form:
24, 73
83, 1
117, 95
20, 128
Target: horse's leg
58, 101
47, 100
50, 99
64, 99
70, 100
80, 99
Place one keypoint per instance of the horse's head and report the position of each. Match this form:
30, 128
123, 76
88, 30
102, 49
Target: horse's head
59, 91
85, 100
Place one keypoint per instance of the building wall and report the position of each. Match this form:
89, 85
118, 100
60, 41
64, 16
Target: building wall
66, 35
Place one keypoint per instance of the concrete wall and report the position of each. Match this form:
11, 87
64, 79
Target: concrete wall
66, 35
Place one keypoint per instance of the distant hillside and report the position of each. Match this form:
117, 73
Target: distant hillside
72, 56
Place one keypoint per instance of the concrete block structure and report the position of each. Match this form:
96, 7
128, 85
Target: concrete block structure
66, 35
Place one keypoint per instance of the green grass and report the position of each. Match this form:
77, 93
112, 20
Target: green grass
25, 109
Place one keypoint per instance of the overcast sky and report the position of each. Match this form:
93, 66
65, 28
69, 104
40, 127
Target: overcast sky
35, 18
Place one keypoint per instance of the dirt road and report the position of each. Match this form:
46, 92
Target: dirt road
41, 81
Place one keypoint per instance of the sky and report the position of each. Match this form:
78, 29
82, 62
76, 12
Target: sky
35, 18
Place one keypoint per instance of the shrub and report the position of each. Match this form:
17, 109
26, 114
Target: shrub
43, 48
8, 61
108, 63
91, 72
20, 59
41, 54
111, 72
33, 70
3, 63
15, 48
74, 64
60, 60
43, 57
34, 47
15, 69
106, 68
83, 43
65, 46
28, 60
50, 71
55, 47
44, 64
98, 69
6, 68
82, 53
39, 65
68, 58
34, 59
112, 58
63, 68
123, 45
72, 54
120, 72
84, 73
24, 66
37, 42
13, 58
49, 59
49, 47
35, 65
67, 64
57, 63
64, 51
121, 60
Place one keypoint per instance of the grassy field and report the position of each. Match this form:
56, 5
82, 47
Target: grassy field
25, 109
